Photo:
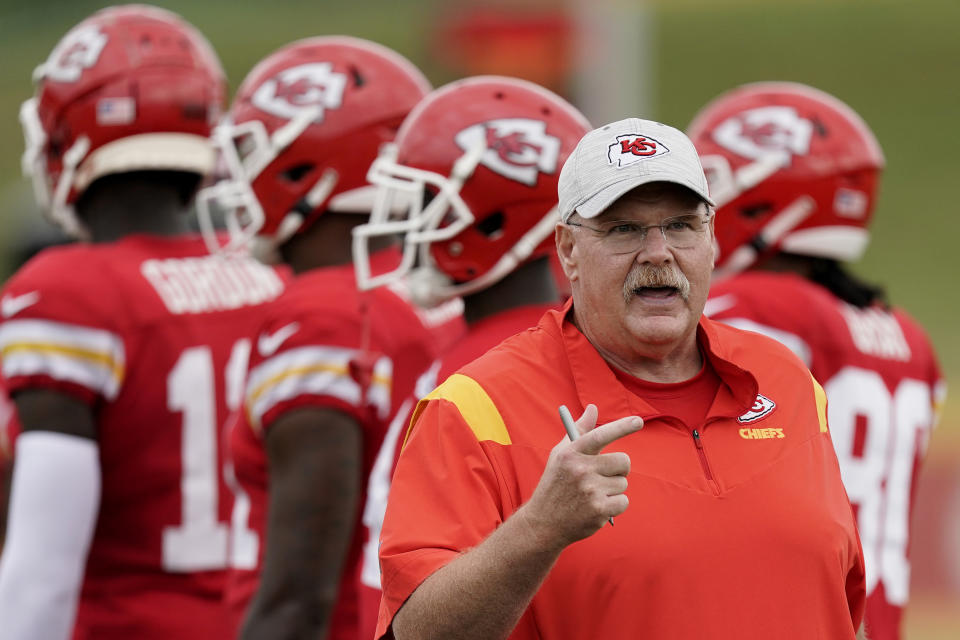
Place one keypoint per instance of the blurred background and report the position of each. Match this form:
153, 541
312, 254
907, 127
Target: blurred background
894, 62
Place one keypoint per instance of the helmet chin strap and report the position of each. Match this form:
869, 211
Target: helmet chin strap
60, 211
730, 184
293, 221
32, 162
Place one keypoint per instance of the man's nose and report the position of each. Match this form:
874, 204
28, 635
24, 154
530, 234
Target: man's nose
655, 248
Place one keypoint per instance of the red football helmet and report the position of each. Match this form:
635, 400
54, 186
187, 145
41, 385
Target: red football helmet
792, 169
486, 154
130, 88
302, 131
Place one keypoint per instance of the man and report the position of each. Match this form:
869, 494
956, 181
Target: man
737, 526
784, 236
330, 367
492, 148
124, 353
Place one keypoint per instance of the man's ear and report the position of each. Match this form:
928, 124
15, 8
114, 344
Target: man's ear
563, 236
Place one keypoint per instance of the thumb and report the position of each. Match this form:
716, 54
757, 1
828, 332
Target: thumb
587, 421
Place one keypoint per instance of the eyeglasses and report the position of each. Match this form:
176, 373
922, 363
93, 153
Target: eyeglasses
627, 236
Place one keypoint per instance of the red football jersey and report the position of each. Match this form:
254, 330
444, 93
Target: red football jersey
884, 388
480, 338
306, 354
153, 333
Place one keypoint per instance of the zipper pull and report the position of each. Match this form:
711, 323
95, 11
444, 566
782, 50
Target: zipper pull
696, 439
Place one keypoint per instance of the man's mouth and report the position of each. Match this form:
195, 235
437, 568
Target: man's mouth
655, 283
656, 292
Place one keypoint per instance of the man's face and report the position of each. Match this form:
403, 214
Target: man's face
640, 300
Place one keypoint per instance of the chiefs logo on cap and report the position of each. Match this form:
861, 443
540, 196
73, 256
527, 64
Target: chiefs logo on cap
307, 86
758, 133
634, 147
761, 408
78, 51
516, 148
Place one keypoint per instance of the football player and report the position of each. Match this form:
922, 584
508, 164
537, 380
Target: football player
329, 366
476, 163
123, 352
795, 173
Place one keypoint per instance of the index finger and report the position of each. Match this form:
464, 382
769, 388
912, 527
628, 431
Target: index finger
595, 440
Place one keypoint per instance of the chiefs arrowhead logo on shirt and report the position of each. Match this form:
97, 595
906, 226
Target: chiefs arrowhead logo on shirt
307, 86
762, 407
516, 148
758, 133
632, 148
78, 51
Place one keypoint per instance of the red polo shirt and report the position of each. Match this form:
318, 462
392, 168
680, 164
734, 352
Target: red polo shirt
742, 532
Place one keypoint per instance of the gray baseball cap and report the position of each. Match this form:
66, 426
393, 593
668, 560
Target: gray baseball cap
612, 160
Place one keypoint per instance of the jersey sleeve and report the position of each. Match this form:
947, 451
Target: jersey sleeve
56, 334
313, 359
444, 497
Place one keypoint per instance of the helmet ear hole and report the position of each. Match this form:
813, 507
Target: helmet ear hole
358, 79
819, 127
297, 172
492, 225
756, 209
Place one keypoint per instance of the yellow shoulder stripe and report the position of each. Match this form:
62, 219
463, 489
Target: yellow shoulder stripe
476, 408
821, 404
90, 356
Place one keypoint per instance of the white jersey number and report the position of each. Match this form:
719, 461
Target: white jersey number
897, 426
200, 541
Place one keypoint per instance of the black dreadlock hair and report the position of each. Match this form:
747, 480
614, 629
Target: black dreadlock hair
834, 276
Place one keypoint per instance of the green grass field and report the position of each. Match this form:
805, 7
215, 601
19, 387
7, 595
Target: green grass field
895, 62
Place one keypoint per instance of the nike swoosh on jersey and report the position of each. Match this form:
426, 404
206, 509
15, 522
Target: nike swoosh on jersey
268, 343
12, 305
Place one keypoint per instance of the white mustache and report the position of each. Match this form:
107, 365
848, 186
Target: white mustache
651, 275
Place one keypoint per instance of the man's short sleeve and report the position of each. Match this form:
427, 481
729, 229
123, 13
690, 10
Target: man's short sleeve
445, 499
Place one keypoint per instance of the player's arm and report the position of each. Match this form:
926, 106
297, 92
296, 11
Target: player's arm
315, 461
55, 495
482, 593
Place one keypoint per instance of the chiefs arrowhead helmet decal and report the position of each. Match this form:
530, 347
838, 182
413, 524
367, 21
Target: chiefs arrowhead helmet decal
517, 148
79, 50
312, 85
757, 133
